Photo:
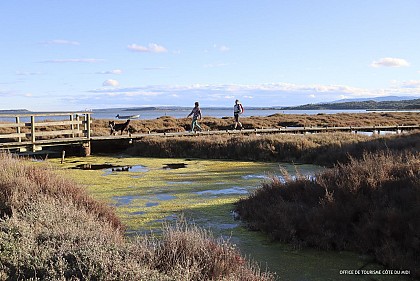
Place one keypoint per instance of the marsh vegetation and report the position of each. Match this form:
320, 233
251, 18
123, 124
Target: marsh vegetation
369, 205
51, 229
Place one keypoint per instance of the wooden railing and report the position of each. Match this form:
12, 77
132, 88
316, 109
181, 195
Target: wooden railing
34, 130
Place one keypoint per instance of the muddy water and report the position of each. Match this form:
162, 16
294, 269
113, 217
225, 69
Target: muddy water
147, 192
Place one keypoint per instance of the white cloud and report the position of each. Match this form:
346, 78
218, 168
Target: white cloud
151, 48
114, 71
224, 49
27, 73
410, 84
155, 68
61, 42
274, 94
214, 65
87, 60
390, 62
110, 83
4, 93
221, 48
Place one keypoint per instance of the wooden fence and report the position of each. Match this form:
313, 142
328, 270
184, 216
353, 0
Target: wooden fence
31, 132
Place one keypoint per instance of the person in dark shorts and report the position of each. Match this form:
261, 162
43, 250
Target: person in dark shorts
238, 109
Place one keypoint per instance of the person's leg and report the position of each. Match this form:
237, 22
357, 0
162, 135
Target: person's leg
198, 125
193, 125
236, 117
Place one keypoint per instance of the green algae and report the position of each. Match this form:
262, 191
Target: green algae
200, 191
142, 191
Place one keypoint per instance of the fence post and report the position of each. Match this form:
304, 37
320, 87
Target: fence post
18, 128
33, 132
78, 125
86, 144
72, 125
87, 125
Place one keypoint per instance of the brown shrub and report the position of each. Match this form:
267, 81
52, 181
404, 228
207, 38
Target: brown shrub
19, 183
323, 149
370, 205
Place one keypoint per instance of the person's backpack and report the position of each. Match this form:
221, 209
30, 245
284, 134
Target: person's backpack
242, 110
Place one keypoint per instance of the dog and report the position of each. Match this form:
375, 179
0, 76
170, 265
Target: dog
118, 127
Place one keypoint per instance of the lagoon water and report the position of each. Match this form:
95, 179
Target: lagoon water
204, 193
175, 112
153, 113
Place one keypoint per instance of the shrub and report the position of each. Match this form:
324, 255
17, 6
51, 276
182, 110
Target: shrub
370, 205
322, 149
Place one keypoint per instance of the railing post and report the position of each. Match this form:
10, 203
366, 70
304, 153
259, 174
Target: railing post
72, 125
77, 125
33, 132
18, 128
86, 144
87, 125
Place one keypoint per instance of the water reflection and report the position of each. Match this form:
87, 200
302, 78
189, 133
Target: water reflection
226, 191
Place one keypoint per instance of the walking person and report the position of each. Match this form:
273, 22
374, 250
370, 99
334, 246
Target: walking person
238, 109
196, 113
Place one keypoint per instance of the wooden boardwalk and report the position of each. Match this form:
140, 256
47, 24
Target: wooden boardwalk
284, 130
35, 132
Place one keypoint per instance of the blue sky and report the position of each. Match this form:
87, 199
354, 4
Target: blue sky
76, 55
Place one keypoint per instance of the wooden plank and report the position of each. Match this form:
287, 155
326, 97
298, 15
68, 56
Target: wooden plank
56, 133
13, 135
49, 142
13, 125
45, 114
14, 144
56, 123
60, 140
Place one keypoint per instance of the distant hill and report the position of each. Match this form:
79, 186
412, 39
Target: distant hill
378, 99
413, 104
14, 111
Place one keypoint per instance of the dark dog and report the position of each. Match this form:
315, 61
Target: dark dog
118, 127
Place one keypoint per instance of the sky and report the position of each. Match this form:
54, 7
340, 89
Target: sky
87, 54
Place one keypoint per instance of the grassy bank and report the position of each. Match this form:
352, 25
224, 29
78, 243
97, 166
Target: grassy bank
323, 149
50, 229
370, 205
